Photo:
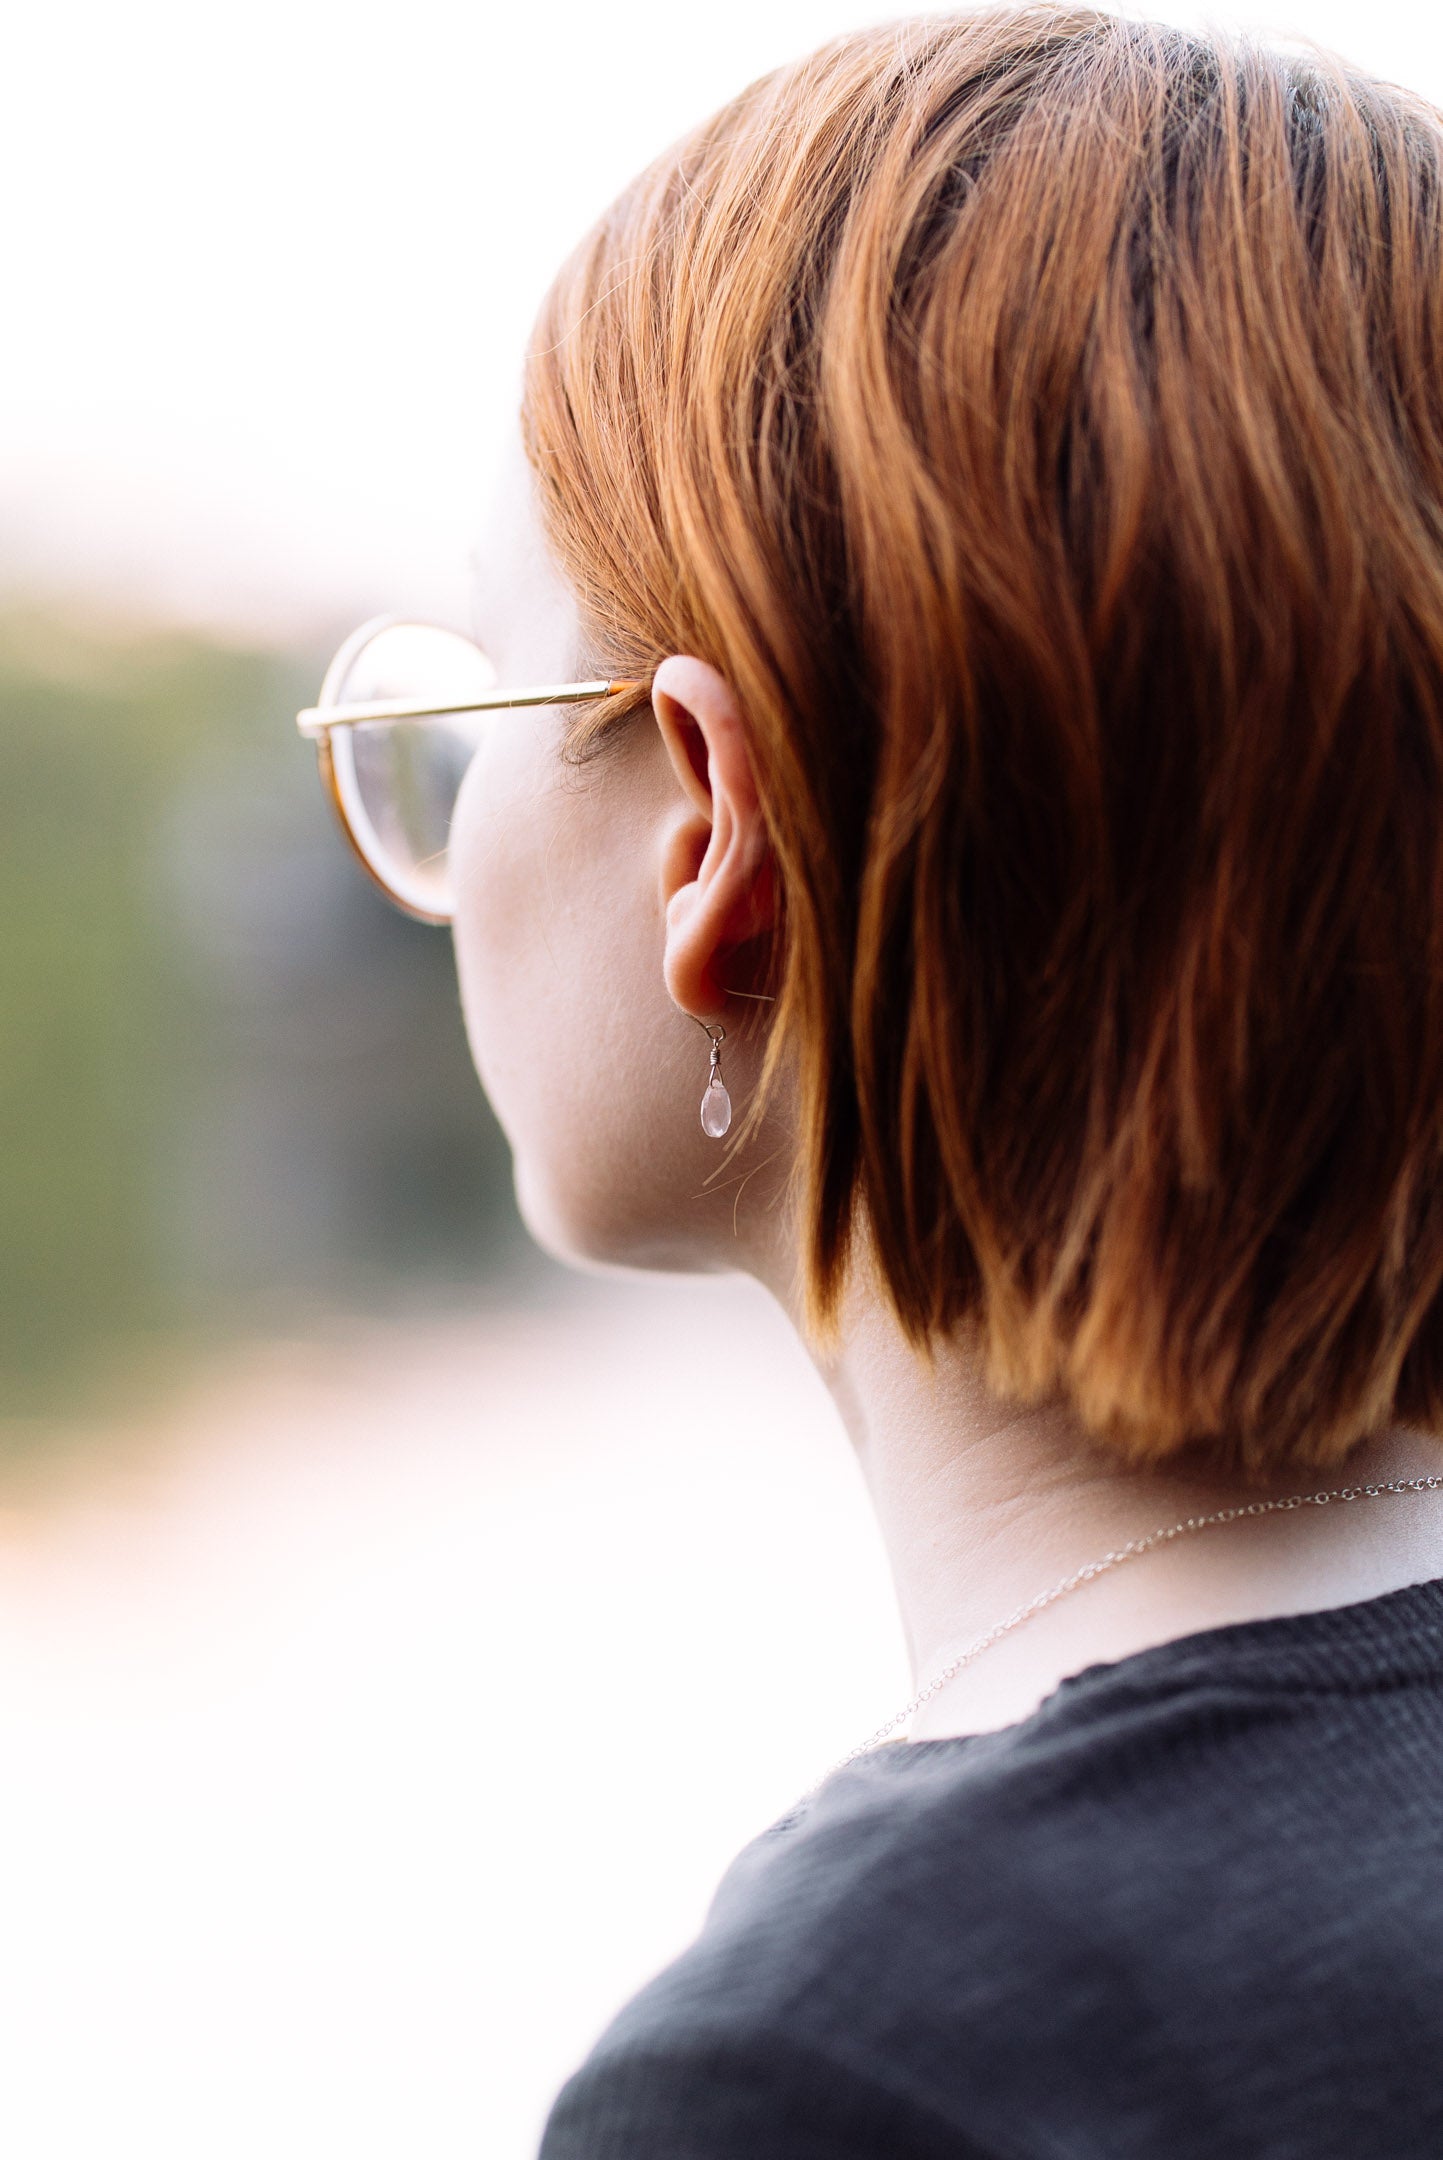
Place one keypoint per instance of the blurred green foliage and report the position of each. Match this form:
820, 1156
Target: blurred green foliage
234, 1085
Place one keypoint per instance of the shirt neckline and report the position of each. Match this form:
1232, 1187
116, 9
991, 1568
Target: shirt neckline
1383, 1640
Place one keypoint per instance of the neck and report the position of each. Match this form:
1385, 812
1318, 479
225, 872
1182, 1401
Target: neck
982, 1504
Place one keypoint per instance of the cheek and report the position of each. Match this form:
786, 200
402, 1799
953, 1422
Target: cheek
497, 862
512, 918
559, 936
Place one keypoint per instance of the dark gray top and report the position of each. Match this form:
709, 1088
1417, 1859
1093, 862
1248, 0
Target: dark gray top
1190, 1909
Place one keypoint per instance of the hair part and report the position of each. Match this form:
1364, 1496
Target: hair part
1038, 416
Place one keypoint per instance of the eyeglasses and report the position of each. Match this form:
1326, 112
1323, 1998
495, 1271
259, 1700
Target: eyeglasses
402, 711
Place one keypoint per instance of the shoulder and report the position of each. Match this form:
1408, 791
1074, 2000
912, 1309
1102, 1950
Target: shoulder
868, 1974
1126, 1904
729, 2088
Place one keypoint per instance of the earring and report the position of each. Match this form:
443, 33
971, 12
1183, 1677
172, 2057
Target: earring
716, 1104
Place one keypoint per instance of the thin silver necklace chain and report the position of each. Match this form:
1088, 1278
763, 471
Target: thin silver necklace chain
1133, 1550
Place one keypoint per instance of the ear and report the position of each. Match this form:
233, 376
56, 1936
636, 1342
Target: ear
717, 881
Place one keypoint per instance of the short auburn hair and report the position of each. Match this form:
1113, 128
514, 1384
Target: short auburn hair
1037, 415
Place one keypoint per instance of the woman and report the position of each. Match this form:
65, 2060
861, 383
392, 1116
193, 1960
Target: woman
983, 498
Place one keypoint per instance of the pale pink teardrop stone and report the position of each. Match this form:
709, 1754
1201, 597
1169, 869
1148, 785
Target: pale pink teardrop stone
716, 1110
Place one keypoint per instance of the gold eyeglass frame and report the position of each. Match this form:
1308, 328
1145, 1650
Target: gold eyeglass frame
315, 723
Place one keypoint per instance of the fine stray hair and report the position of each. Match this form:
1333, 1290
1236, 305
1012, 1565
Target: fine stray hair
1037, 416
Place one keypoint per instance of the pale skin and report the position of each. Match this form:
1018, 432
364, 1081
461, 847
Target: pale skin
601, 913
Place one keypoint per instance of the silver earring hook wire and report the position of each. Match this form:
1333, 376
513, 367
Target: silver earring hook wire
760, 995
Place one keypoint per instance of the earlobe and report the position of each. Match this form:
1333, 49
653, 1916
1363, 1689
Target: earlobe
717, 886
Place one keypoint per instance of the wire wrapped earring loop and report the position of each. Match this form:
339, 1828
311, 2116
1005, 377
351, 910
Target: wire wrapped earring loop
716, 1104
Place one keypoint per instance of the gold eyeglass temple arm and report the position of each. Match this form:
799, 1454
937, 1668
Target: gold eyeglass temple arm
317, 718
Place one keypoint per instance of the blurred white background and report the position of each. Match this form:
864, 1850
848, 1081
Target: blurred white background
380, 1702
367, 1737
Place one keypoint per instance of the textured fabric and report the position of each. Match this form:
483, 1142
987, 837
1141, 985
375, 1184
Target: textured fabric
1190, 1909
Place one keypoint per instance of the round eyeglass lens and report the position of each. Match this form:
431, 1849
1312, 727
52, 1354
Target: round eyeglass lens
398, 779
